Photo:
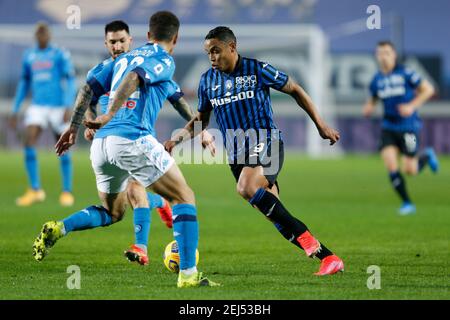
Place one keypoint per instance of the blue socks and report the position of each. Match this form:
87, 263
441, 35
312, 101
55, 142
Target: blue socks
155, 200
89, 218
185, 232
141, 226
31, 166
65, 162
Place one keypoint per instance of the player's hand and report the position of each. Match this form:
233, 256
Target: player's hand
99, 122
67, 115
328, 133
89, 134
169, 145
368, 110
208, 142
12, 121
406, 110
67, 139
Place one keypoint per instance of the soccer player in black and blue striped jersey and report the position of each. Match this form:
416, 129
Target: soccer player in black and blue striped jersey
402, 91
237, 90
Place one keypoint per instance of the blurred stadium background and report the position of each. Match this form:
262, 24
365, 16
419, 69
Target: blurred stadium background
324, 44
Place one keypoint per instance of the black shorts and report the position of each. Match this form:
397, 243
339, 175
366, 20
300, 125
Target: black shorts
406, 142
269, 155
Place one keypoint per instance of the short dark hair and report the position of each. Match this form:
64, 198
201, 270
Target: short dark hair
163, 25
116, 25
386, 43
221, 33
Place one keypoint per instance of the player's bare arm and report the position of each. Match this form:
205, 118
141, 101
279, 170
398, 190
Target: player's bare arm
188, 131
68, 137
304, 101
423, 93
126, 88
185, 110
369, 106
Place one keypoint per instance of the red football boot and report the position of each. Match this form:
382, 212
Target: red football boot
136, 254
166, 214
310, 244
330, 265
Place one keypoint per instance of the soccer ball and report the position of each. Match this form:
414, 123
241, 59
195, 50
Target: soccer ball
171, 257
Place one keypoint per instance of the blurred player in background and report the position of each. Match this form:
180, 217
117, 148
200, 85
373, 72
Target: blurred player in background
139, 82
48, 72
117, 41
237, 89
403, 92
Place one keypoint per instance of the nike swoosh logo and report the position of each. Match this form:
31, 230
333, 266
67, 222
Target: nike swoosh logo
216, 87
253, 155
270, 210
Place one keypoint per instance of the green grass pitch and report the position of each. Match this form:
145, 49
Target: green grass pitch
347, 203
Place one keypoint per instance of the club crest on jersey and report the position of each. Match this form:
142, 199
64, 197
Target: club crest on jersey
229, 84
246, 82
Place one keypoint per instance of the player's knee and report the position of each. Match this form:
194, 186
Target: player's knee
185, 195
117, 215
411, 171
245, 189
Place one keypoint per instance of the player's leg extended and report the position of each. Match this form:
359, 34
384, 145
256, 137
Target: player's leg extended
253, 186
389, 154
34, 193
173, 187
112, 210
137, 196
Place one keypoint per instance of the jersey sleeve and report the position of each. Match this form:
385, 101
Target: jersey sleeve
100, 81
153, 69
413, 78
272, 77
204, 105
373, 88
174, 92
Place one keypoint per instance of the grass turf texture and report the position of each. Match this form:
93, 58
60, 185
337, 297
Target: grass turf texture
348, 204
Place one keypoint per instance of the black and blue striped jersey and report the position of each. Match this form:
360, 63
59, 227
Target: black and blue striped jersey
241, 100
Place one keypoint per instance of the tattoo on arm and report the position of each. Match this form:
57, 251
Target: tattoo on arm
81, 104
184, 109
126, 88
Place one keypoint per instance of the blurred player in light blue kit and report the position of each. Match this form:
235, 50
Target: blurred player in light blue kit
123, 147
402, 92
48, 73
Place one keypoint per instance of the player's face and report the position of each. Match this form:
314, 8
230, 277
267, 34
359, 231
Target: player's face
117, 42
220, 54
386, 57
42, 37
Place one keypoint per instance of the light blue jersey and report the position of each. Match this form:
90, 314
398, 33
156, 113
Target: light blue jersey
137, 117
43, 71
103, 101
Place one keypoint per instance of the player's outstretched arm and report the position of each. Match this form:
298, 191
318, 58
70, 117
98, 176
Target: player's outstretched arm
424, 92
129, 85
189, 132
68, 138
185, 111
304, 101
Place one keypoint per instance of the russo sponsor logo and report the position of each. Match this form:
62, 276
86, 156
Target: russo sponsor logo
216, 102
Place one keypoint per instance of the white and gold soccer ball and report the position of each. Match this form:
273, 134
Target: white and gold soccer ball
171, 257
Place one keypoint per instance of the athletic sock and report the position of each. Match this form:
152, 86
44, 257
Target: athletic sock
399, 185
142, 227
155, 200
273, 209
32, 168
423, 160
88, 218
289, 226
65, 162
185, 232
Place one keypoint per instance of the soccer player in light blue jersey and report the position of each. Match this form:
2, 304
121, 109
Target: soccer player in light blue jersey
403, 92
117, 41
123, 147
47, 72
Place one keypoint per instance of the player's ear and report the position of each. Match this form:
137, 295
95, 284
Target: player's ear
232, 46
149, 35
175, 39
